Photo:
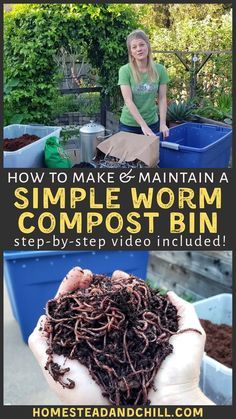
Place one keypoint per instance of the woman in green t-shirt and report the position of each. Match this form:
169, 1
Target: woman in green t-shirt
142, 82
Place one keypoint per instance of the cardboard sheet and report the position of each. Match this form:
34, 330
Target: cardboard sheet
129, 147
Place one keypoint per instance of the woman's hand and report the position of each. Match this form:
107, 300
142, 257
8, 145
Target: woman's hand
147, 131
162, 103
86, 391
165, 130
177, 381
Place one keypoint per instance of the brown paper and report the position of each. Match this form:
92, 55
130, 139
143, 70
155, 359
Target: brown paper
129, 147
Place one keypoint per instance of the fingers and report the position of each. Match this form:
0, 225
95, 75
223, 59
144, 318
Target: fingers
86, 391
187, 315
164, 130
175, 299
151, 134
180, 371
76, 278
148, 131
166, 133
119, 275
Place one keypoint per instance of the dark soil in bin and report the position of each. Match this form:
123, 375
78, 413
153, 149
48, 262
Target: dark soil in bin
110, 162
13, 144
119, 329
218, 342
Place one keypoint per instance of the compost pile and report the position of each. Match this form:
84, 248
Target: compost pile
119, 329
106, 161
218, 342
113, 162
83, 165
13, 144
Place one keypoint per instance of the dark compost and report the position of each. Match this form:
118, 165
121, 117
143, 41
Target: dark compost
218, 342
119, 329
13, 144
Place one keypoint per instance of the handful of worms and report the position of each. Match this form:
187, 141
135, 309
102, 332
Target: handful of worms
119, 329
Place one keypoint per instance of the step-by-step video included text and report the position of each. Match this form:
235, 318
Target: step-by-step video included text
118, 209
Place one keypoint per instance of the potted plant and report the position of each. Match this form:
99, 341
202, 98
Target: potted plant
179, 112
218, 112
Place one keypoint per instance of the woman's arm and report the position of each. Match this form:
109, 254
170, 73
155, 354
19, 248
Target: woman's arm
127, 96
162, 102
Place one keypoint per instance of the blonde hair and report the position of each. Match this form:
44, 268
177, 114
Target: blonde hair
151, 70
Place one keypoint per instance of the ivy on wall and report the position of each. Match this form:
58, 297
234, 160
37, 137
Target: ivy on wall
33, 36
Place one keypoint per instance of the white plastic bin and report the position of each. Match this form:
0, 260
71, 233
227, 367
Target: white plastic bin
216, 378
31, 155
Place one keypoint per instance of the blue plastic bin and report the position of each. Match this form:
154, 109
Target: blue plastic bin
33, 277
193, 145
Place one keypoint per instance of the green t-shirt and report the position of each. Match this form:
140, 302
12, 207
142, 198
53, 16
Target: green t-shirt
144, 94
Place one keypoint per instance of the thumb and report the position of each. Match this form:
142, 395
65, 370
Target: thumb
187, 315
76, 278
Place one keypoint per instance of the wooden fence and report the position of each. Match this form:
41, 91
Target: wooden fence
194, 274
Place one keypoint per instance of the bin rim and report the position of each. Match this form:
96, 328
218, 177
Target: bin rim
185, 148
31, 125
213, 297
20, 254
218, 365
202, 125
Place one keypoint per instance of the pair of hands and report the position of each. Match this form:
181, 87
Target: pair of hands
163, 128
177, 381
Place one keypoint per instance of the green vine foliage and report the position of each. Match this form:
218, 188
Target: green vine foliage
195, 27
33, 36
35, 33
